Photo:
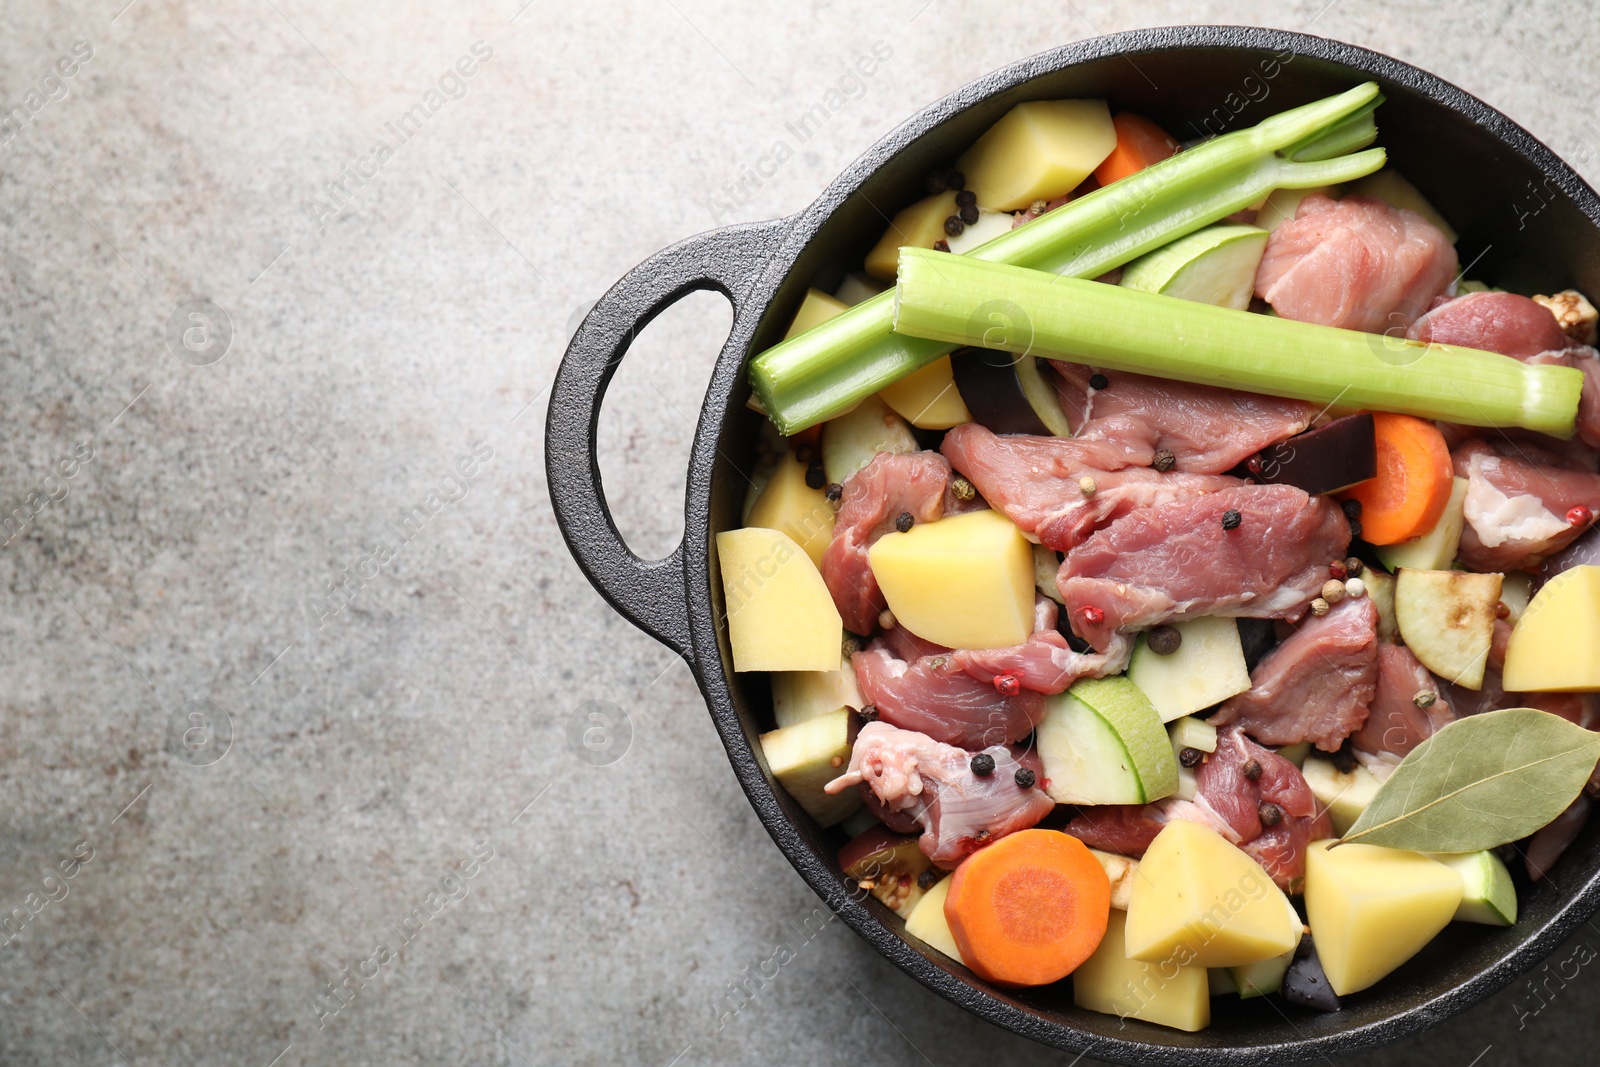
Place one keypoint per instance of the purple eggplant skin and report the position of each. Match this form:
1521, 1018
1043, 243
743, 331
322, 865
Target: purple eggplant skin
989, 386
1257, 637
1304, 983
1584, 551
1325, 460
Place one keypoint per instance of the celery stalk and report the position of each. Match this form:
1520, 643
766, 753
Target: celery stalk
824, 371
962, 301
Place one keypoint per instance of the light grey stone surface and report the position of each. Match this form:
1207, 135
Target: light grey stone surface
365, 754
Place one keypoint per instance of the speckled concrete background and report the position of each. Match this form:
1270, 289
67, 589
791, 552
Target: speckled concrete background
262, 785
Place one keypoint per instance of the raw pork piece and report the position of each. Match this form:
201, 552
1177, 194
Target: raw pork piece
874, 497
1036, 482
1581, 709
911, 774
1395, 723
1228, 801
1553, 839
918, 686
1044, 663
1176, 561
1517, 512
1516, 326
1356, 263
1208, 430
1317, 685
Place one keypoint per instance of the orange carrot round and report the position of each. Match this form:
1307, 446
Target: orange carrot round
1140, 143
1413, 483
1029, 908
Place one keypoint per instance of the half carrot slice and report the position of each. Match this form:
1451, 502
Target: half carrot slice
1413, 483
1140, 143
1029, 908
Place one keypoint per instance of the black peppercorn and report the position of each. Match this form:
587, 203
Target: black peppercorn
966, 198
1164, 460
1190, 757
804, 453
1025, 778
953, 226
1231, 519
905, 521
1164, 640
1252, 769
1353, 567
954, 179
983, 765
1355, 529
1344, 760
1098, 381
1351, 509
833, 491
927, 879
969, 214
816, 478
1270, 813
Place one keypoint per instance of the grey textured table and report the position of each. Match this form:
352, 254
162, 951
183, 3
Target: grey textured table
290, 644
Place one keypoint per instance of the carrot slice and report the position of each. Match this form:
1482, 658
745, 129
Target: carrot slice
1140, 143
1029, 908
1413, 483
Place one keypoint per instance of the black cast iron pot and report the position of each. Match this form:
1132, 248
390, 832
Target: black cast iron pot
1528, 223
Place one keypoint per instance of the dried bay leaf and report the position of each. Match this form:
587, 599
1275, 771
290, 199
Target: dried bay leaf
1481, 782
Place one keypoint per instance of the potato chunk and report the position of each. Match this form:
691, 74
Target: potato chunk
1373, 908
1171, 995
1040, 150
1553, 646
1199, 900
961, 582
787, 503
780, 615
928, 398
921, 225
817, 308
927, 921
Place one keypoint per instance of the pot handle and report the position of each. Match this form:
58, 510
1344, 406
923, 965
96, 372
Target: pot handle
647, 592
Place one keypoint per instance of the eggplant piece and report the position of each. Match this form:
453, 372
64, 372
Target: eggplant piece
889, 866
1257, 637
1304, 983
1008, 393
1325, 460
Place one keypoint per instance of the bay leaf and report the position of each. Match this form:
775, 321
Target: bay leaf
1481, 782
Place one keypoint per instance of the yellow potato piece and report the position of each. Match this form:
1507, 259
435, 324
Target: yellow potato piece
1199, 900
921, 225
1556, 645
1171, 995
928, 398
787, 503
1040, 150
818, 307
780, 615
1372, 908
961, 582
927, 921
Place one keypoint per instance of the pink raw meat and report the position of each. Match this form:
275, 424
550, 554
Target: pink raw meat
1176, 561
1208, 430
1317, 685
1395, 723
1356, 263
1517, 512
1044, 663
1036, 481
915, 776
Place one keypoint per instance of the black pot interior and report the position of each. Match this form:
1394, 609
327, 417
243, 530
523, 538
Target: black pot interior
1520, 229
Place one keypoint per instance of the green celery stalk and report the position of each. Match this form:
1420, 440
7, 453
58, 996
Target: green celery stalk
963, 301
826, 370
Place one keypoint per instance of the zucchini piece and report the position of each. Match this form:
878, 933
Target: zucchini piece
1216, 265
1207, 668
850, 441
1436, 549
808, 756
1008, 393
1102, 743
1446, 618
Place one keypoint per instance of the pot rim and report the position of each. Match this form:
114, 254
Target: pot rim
726, 393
